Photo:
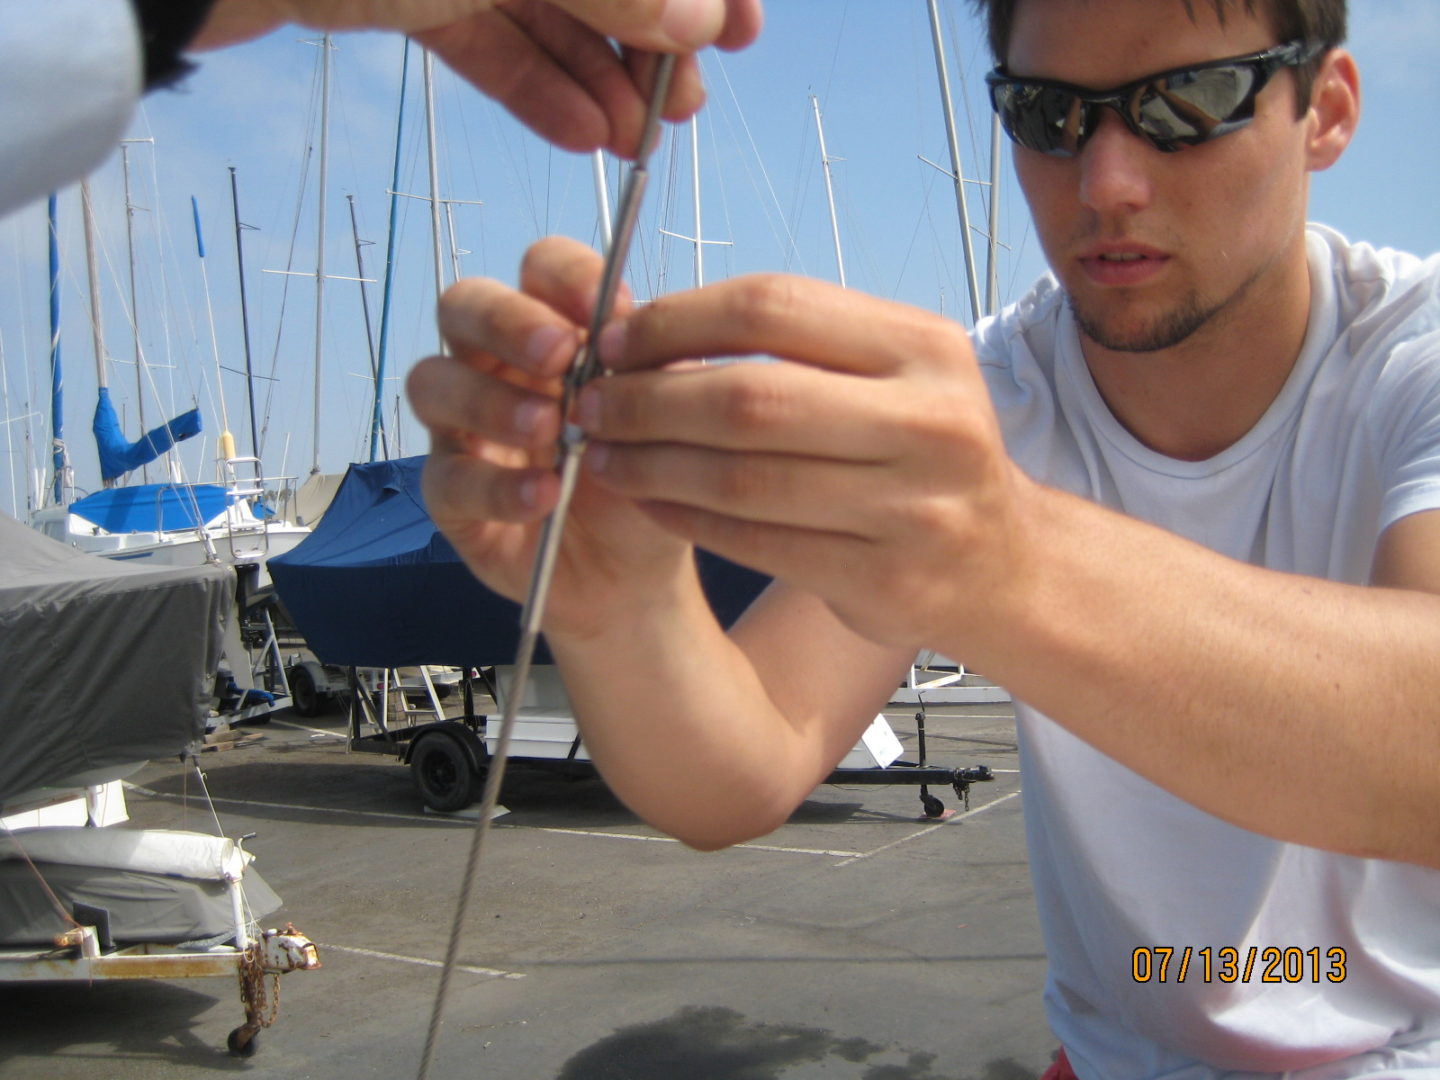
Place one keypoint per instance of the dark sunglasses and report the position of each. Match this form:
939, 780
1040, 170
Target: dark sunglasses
1169, 110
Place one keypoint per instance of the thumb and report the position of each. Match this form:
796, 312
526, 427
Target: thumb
669, 25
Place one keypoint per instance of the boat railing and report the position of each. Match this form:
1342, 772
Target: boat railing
259, 496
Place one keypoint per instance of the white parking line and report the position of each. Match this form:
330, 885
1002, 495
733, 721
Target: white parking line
847, 857
376, 954
250, 803
671, 840
342, 736
958, 819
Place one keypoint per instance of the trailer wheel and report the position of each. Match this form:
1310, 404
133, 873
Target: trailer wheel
933, 806
242, 1049
304, 695
442, 772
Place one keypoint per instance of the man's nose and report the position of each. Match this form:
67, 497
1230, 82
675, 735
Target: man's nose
1115, 167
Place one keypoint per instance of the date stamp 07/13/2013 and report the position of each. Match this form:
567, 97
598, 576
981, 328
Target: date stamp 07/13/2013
1268, 964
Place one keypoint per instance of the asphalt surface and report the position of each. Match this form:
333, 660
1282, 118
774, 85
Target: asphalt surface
860, 941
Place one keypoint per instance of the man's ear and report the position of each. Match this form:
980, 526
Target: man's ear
1334, 110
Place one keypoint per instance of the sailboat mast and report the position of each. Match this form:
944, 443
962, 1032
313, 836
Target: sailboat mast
130, 209
429, 80
227, 440
320, 249
829, 190
965, 243
92, 271
695, 198
602, 200
992, 275
59, 461
360, 279
377, 412
244, 312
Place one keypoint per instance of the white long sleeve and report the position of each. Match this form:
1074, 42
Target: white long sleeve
70, 75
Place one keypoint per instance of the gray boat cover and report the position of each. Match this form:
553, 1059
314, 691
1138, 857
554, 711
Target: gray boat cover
142, 907
102, 663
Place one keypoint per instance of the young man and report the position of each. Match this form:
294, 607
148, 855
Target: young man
1181, 500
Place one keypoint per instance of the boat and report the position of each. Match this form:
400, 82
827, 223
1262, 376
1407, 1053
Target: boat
377, 586
106, 665
231, 521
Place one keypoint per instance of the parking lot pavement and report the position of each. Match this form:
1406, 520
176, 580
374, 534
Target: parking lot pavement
860, 940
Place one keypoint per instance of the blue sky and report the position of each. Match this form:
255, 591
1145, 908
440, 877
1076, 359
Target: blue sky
869, 63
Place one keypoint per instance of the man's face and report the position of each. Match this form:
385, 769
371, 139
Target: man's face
1150, 246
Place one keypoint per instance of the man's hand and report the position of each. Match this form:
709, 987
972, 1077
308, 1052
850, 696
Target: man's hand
548, 61
493, 415
869, 469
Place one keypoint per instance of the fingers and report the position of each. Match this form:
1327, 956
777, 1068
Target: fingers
553, 74
763, 489
813, 322
559, 77
466, 486
672, 25
450, 395
769, 408
535, 332
566, 275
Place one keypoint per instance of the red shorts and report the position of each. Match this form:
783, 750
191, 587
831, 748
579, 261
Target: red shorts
1060, 1069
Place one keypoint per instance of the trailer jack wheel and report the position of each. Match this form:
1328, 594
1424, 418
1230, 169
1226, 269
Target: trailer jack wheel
243, 1042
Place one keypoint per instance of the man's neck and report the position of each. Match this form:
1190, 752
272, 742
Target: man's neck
1199, 397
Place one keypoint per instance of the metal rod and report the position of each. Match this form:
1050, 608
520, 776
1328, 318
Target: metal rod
584, 367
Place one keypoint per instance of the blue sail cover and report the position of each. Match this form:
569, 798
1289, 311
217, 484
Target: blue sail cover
152, 507
118, 455
377, 585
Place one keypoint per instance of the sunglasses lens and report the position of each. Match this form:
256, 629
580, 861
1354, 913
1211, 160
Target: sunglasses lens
1187, 108
1044, 118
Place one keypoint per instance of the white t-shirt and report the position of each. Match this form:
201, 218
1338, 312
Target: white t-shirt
1351, 444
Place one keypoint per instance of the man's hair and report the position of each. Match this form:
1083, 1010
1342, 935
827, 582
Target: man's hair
1309, 20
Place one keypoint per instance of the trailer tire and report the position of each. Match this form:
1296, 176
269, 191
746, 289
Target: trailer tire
305, 696
443, 773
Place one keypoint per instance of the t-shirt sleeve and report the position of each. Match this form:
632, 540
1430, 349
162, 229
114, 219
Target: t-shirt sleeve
1409, 429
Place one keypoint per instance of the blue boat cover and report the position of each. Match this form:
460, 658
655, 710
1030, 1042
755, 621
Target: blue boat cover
151, 507
377, 585
118, 455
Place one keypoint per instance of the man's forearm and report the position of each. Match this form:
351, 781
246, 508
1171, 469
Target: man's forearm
716, 738
1298, 708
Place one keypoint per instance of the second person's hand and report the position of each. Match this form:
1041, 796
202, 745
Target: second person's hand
549, 62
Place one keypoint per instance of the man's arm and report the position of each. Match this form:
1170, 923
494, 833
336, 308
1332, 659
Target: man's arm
872, 475
713, 738
1295, 707
716, 739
